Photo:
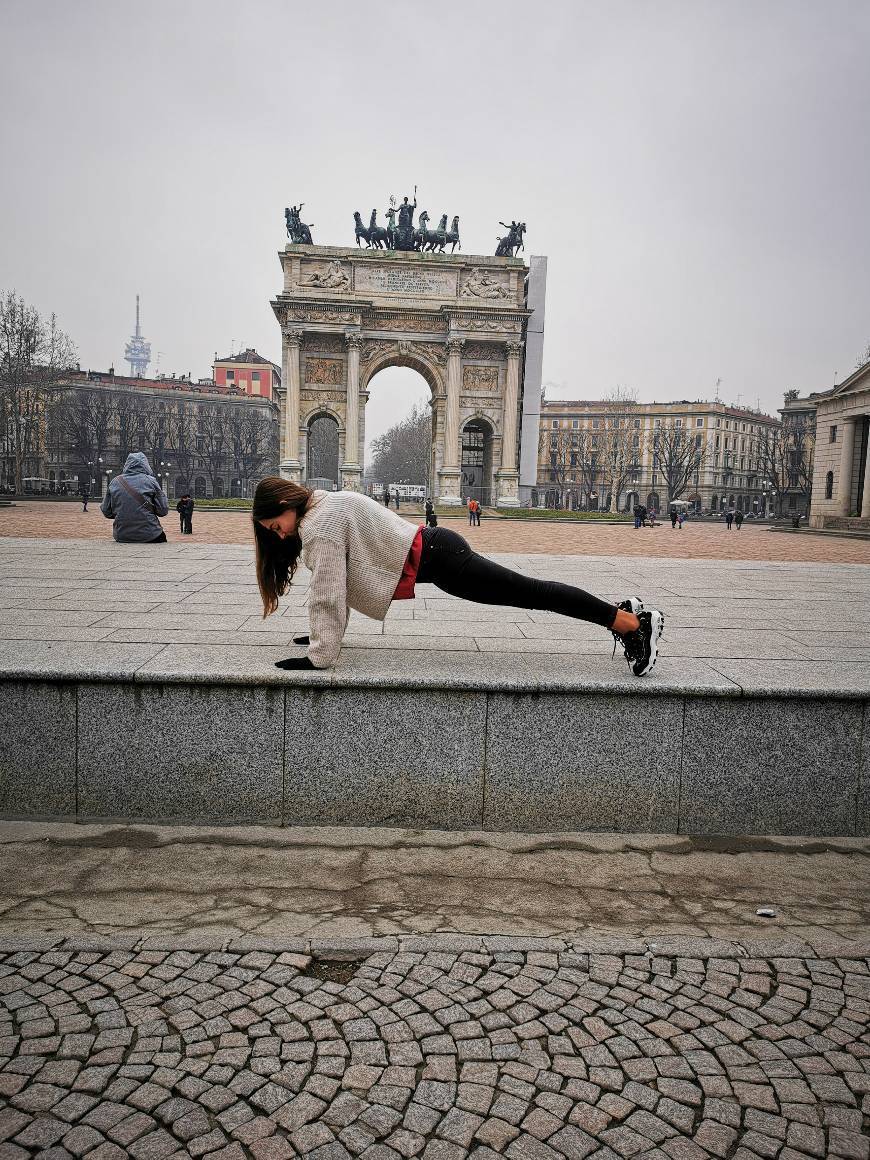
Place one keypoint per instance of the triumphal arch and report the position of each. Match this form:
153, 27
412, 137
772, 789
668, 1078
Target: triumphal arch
459, 320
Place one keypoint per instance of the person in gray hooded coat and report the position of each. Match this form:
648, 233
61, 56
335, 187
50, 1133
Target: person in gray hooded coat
134, 500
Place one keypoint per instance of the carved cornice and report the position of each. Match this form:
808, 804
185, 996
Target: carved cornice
454, 346
353, 339
294, 336
514, 349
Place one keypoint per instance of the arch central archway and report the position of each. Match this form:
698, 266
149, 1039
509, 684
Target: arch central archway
393, 395
430, 392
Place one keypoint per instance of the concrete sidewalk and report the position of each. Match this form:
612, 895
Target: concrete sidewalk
210, 885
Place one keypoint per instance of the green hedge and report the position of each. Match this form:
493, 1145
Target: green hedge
241, 504
556, 514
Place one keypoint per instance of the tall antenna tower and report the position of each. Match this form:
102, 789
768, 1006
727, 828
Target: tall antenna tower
137, 352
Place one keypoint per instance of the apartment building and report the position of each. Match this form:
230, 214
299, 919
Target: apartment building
709, 454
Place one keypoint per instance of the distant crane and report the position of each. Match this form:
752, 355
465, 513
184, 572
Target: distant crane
137, 352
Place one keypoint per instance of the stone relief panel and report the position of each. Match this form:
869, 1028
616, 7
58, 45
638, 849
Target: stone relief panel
329, 276
478, 351
479, 378
495, 325
324, 343
418, 325
329, 371
482, 284
318, 314
404, 282
379, 347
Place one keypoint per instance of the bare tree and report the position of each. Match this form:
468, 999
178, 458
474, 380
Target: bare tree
401, 455
214, 431
253, 440
34, 354
863, 357
81, 418
572, 458
182, 440
618, 456
679, 454
775, 457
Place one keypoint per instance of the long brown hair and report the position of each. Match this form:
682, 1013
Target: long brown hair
277, 559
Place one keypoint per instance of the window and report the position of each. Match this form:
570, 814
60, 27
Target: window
698, 440
657, 422
699, 422
594, 424
833, 430
718, 422
231, 376
635, 441
829, 483
255, 376
575, 424
637, 423
555, 423
678, 423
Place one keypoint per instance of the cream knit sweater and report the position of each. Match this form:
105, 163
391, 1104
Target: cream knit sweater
355, 550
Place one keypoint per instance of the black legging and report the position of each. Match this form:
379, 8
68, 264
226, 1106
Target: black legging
450, 564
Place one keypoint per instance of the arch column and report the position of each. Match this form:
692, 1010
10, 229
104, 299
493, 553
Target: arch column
290, 466
865, 499
508, 475
448, 476
844, 482
351, 469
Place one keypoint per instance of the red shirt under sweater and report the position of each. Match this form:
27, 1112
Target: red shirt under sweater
405, 587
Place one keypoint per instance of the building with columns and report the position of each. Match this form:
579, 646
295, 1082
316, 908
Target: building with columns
731, 475
841, 475
457, 319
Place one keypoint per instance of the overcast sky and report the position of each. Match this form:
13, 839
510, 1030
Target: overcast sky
698, 173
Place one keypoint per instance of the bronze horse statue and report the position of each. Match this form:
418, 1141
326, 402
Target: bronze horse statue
359, 229
512, 241
432, 239
453, 235
378, 236
297, 231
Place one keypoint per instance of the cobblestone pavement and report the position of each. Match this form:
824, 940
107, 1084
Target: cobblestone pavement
525, 1054
696, 541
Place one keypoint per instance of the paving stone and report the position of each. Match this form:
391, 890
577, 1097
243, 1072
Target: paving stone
515, 1052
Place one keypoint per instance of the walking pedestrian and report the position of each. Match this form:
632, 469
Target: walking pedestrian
673, 514
361, 557
386, 497
396, 498
85, 493
729, 519
431, 518
184, 507
134, 500
469, 503
638, 520
681, 515
477, 512
738, 519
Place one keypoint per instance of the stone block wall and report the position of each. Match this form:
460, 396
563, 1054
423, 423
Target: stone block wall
443, 758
